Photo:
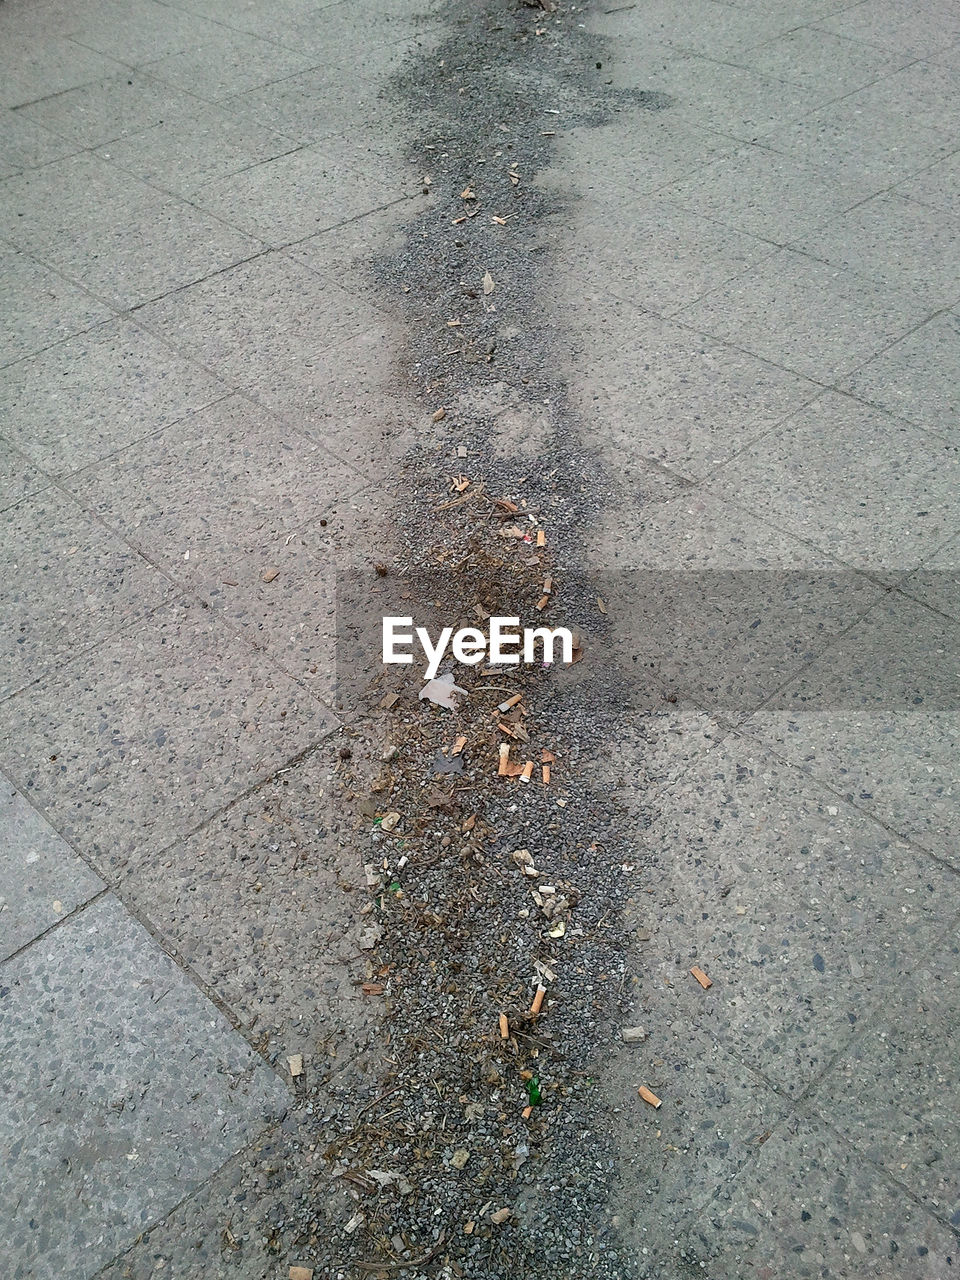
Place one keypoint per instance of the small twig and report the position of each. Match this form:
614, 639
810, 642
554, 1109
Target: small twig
403, 1266
376, 1100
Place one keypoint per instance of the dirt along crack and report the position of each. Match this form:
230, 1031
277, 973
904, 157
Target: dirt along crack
492, 846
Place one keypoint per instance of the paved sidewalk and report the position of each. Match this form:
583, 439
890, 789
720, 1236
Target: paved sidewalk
758, 286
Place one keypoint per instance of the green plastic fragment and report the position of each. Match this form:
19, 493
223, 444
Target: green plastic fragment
534, 1096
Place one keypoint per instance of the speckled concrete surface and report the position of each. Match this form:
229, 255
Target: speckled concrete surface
756, 296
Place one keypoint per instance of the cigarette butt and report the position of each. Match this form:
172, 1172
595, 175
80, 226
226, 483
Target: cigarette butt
458, 746
527, 773
547, 586
510, 702
541, 538
504, 1027
504, 758
701, 977
538, 999
547, 757
543, 602
527, 1112
545, 768
648, 1096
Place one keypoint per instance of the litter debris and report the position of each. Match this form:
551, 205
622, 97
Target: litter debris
702, 978
439, 414
510, 702
648, 1096
458, 746
488, 285
268, 575
500, 1216
633, 1035
504, 1027
538, 999
541, 538
300, 1273
295, 1063
460, 1157
527, 772
389, 820
440, 691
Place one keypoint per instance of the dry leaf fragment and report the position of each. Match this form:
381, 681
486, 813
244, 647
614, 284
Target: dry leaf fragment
488, 285
460, 483
501, 222
439, 414
500, 1216
458, 746
468, 193
268, 575
601, 604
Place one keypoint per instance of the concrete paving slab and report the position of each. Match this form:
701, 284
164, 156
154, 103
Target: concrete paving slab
938, 185
130, 747
113, 234
670, 394
788, 898
765, 194
636, 161
257, 319
884, 24
857, 500
715, 1111
40, 66
809, 1203
306, 191
208, 494
875, 719
18, 478
189, 151
50, 308
43, 879
927, 260
69, 585
109, 109
895, 1097
863, 144
259, 903
704, 27
937, 583
25, 145
82, 400
917, 378
106, 1121
820, 60
806, 315
136, 31
662, 260
226, 64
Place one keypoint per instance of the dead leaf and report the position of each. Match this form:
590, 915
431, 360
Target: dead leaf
488, 285
601, 604
439, 414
